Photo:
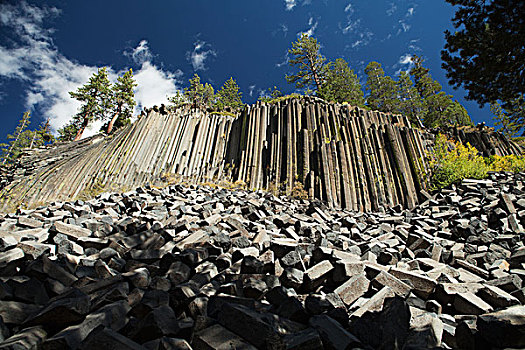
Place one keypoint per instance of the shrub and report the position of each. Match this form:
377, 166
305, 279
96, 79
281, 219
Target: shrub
454, 162
507, 163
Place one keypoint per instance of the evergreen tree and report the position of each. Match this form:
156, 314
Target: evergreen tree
456, 114
122, 102
24, 138
341, 84
308, 59
11, 150
229, 96
509, 120
410, 104
382, 92
438, 108
485, 54
95, 96
177, 99
274, 94
198, 94
425, 85
69, 131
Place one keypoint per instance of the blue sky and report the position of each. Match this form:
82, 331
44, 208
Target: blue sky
48, 50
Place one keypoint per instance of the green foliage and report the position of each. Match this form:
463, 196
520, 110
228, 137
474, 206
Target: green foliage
341, 84
223, 113
96, 98
229, 96
122, 102
178, 99
282, 98
512, 118
456, 114
410, 102
69, 131
274, 94
382, 92
485, 53
24, 138
438, 108
507, 163
198, 94
307, 58
454, 162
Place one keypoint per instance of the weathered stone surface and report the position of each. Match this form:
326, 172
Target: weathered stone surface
29, 338
504, 328
332, 334
316, 275
220, 338
106, 338
72, 231
384, 329
353, 289
260, 329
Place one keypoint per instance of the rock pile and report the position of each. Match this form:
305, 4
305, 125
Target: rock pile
202, 268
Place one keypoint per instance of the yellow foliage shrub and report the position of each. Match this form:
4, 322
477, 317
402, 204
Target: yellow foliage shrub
454, 162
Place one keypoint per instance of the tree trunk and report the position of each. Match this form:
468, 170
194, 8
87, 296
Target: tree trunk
111, 123
81, 129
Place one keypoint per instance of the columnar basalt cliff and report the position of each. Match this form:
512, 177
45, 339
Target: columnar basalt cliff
347, 156
485, 139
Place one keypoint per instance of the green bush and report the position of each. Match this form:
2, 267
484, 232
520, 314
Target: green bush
454, 162
507, 163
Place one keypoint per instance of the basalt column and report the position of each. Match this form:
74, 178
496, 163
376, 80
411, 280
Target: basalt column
346, 156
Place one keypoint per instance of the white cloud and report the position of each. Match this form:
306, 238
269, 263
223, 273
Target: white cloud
282, 28
410, 12
251, 88
351, 26
290, 4
354, 28
311, 30
406, 27
364, 39
390, 11
48, 75
405, 59
201, 52
154, 85
141, 53
286, 59
405, 63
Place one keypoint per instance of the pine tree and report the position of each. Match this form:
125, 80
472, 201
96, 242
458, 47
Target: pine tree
410, 104
11, 150
229, 96
68, 131
96, 101
438, 108
382, 92
123, 101
273, 94
341, 84
177, 99
456, 114
485, 52
198, 94
24, 138
509, 124
308, 59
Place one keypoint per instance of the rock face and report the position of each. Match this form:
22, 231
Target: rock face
485, 139
202, 268
349, 157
